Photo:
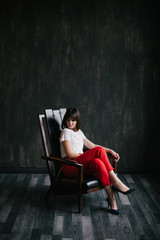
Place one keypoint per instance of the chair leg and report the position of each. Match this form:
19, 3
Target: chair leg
80, 188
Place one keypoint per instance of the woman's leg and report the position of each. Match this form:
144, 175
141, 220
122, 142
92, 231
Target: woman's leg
111, 196
86, 158
91, 166
95, 161
94, 166
100, 153
116, 182
97, 168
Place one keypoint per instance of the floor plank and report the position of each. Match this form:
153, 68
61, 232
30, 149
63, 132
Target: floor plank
25, 215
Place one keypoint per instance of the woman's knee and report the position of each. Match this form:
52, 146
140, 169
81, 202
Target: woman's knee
98, 164
100, 150
101, 172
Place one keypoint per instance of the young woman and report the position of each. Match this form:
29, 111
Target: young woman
95, 161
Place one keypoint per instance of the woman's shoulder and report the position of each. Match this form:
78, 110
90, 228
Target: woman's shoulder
81, 133
66, 130
66, 134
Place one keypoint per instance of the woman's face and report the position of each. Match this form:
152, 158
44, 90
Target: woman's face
71, 124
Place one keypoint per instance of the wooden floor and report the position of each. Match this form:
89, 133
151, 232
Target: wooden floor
25, 215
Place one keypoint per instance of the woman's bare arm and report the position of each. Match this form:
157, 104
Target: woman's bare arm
68, 150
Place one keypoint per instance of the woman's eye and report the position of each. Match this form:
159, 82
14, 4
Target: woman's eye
72, 120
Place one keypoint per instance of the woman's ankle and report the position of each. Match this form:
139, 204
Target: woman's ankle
113, 203
116, 182
111, 197
121, 186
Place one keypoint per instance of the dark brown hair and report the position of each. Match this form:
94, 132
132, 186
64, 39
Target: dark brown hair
72, 113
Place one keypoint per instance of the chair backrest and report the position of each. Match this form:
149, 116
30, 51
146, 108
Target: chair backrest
50, 125
54, 120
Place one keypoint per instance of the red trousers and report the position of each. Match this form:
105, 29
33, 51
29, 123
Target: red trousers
95, 162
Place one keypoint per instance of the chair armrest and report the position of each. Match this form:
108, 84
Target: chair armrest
63, 161
115, 166
114, 162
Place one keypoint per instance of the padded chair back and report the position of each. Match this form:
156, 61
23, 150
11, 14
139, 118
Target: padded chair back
54, 122
50, 124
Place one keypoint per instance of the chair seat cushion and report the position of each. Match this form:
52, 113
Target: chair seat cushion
89, 184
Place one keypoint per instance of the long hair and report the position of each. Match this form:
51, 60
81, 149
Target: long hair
72, 113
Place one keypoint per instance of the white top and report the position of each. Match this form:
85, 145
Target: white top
76, 139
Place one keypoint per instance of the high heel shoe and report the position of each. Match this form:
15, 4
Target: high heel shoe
125, 193
116, 212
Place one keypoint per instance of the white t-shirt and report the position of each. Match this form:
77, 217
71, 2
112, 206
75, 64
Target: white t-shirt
76, 139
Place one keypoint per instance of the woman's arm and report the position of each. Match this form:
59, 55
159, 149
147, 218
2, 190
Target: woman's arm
91, 145
68, 150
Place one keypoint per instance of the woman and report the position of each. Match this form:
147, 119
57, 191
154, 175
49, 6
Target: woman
95, 161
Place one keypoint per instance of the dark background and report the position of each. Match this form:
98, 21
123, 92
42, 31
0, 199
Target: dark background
101, 56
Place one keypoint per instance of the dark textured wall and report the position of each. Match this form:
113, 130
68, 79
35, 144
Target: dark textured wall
101, 56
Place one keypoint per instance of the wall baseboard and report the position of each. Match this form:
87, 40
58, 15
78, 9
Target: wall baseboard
24, 170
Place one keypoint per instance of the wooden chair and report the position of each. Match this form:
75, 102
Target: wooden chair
50, 126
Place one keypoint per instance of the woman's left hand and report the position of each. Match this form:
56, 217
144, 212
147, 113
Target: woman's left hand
115, 155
